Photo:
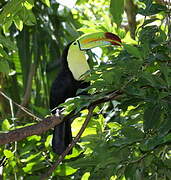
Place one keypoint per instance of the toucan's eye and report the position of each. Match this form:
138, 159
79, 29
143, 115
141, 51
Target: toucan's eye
75, 43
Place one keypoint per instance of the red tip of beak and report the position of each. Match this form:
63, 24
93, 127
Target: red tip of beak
113, 37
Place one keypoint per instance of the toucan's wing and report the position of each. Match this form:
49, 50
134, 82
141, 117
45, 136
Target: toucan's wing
62, 88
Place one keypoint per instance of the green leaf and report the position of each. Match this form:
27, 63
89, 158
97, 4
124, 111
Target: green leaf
32, 157
167, 162
85, 176
5, 125
3, 53
131, 172
165, 126
4, 67
132, 133
27, 17
18, 23
152, 115
6, 42
116, 10
34, 138
148, 21
151, 143
8, 153
165, 70
167, 138
35, 165
29, 4
47, 2
29, 167
48, 141
152, 9
132, 50
125, 141
10, 9
149, 79
64, 170
114, 125
7, 24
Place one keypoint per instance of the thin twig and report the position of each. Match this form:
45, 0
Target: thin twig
21, 107
76, 139
137, 160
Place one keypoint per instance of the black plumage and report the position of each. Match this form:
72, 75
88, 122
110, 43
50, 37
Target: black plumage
63, 87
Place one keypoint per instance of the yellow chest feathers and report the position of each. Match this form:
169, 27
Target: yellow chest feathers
77, 62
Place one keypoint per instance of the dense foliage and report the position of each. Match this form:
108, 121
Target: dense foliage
128, 137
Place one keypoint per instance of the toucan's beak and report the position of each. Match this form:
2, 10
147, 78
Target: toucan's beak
93, 40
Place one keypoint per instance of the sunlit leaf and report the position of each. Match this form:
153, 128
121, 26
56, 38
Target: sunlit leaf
8, 153
29, 4
47, 2
85, 176
35, 164
64, 170
148, 21
32, 157
18, 23
35, 138
48, 141
29, 167
5, 125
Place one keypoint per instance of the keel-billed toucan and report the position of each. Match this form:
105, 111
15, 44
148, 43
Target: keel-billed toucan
70, 79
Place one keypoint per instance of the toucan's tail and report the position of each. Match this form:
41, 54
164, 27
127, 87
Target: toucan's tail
62, 137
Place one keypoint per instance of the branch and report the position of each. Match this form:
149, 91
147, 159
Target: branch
75, 140
111, 96
130, 9
46, 123
36, 129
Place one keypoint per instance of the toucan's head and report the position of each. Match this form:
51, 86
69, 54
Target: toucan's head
76, 59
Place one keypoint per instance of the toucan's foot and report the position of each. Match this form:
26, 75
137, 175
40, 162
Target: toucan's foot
58, 112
